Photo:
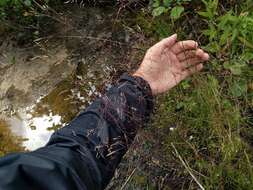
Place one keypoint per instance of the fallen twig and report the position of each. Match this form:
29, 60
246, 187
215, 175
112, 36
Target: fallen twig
128, 179
188, 169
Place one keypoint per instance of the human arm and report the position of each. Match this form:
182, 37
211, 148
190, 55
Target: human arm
85, 153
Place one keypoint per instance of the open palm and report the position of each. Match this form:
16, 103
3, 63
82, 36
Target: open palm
169, 62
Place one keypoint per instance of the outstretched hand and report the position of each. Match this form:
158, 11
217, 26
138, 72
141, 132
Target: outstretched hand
169, 62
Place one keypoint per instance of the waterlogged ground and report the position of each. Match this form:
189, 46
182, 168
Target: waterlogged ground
44, 85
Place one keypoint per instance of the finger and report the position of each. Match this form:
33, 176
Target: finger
182, 46
186, 55
190, 71
201, 54
167, 42
190, 62
193, 53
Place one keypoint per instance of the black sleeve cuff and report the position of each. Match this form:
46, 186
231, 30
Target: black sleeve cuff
144, 87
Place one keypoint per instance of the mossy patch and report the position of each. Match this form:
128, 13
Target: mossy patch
9, 143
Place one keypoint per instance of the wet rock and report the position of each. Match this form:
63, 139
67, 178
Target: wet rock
33, 73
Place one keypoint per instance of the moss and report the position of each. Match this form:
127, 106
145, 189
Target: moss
9, 143
58, 102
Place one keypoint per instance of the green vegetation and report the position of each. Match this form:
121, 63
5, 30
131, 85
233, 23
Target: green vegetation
210, 115
15, 10
24, 17
174, 7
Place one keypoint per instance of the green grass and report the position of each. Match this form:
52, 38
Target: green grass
207, 134
23, 15
211, 112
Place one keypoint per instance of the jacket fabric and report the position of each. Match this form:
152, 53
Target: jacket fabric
84, 154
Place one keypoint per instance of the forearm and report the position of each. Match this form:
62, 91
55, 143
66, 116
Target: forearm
85, 153
108, 126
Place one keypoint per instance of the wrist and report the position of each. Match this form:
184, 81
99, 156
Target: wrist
139, 74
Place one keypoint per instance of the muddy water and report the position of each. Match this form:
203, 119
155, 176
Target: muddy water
27, 75
44, 86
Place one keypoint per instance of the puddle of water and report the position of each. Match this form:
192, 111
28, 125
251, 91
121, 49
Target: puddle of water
36, 123
35, 131
95, 62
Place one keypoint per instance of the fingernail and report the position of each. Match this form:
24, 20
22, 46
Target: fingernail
200, 51
174, 36
200, 67
207, 56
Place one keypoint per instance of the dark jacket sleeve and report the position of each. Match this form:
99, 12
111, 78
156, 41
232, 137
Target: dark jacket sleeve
85, 153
